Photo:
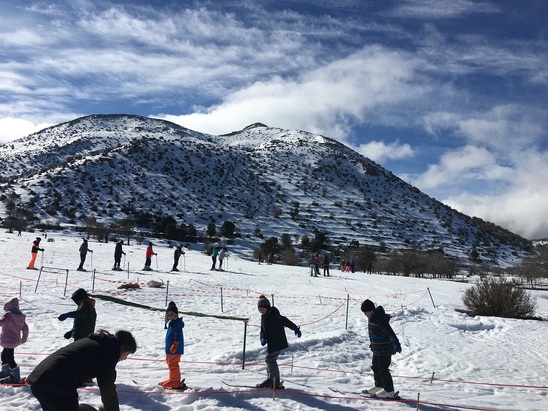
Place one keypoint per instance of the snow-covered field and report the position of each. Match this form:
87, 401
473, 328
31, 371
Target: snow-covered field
480, 363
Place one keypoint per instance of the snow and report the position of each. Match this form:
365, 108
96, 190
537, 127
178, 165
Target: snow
480, 363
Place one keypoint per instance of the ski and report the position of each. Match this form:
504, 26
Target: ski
250, 386
365, 395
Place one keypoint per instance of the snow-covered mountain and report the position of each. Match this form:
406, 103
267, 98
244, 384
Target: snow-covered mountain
267, 181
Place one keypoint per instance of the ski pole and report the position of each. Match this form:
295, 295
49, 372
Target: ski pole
184, 263
156, 262
42, 259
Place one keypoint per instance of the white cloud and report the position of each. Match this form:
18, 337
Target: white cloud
14, 128
520, 206
379, 151
460, 167
323, 100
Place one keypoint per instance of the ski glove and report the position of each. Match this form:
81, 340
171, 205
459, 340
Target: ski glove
173, 348
298, 332
68, 334
63, 317
397, 346
263, 341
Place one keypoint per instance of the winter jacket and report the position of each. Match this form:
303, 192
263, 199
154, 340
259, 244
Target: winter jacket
381, 335
13, 325
175, 333
36, 247
85, 315
118, 251
272, 329
149, 252
62, 372
84, 248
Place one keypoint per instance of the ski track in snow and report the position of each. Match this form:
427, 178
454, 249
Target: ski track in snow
473, 359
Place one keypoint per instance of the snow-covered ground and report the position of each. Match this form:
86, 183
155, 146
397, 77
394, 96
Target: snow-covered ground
480, 363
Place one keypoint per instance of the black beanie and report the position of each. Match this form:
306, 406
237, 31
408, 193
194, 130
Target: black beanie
172, 307
368, 305
263, 302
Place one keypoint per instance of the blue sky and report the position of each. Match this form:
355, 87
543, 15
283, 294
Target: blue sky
450, 95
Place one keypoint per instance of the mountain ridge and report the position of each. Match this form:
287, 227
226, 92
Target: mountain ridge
265, 180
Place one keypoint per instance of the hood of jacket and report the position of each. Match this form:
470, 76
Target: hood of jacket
12, 306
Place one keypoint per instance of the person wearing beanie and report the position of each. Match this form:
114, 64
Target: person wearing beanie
34, 252
176, 255
384, 343
174, 348
273, 336
85, 316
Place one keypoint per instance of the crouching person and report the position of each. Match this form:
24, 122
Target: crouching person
54, 382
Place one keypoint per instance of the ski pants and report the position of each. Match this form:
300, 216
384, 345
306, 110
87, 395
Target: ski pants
381, 372
32, 259
272, 370
8, 357
172, 361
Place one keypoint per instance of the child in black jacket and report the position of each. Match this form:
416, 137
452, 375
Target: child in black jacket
273, 336
384, 344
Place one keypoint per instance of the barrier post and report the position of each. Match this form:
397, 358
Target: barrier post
347, 308
431, 297
222, 308
167, 291
93, 281
245, 339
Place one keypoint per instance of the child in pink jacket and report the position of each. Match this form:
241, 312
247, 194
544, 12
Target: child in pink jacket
13, 325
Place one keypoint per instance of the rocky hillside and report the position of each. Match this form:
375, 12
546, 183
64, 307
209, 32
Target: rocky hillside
265, 180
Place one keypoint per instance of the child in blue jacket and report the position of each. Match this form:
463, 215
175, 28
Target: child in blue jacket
175, 346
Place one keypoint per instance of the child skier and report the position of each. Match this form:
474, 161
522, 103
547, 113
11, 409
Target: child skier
273, 334
34, 253
175, 346
14, 332
84, 316
148, 257
384, 344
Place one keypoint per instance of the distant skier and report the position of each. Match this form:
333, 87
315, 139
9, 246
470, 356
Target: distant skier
222, 255
14, 332
176, 255
118, 252
84, 249
325, 265
214, 255
34, 252
148, 257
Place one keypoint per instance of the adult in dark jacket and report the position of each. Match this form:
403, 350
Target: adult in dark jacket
83, 252
384, 343
84, 316
273, 336
55, 380
118, 252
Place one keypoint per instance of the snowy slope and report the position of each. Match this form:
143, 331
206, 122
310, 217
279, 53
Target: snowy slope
112, 167
478, 363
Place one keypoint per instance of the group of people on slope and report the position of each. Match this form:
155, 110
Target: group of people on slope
54, 381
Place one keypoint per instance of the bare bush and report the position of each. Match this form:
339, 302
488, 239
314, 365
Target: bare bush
499, 298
